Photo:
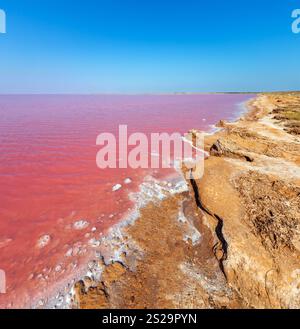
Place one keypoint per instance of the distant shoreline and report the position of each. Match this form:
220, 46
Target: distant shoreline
151, 93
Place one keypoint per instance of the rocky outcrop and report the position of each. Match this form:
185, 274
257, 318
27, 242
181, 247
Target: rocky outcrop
223, 147
174, 265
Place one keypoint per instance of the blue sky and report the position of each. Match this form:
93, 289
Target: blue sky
136, 46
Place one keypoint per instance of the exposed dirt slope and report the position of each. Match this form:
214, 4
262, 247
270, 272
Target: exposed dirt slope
252, 183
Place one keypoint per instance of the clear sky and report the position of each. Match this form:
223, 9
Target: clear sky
136, 46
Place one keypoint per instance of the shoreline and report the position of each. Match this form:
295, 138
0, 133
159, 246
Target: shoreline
151, 190
86, 280
38, 296
246, 110
129, 262
64, 293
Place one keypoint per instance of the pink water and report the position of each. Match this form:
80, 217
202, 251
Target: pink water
49, 178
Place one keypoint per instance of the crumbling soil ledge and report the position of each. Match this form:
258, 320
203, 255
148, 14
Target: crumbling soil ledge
231, 240
252, 182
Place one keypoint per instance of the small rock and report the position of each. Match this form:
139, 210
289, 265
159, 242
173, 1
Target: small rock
221, 124
5, 242
80, 225
88, 282
43, 241
58, 268
30, 277
94, 243
41, 302
69, 253
117, 187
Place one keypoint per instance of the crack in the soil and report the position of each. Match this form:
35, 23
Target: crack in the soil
222, 243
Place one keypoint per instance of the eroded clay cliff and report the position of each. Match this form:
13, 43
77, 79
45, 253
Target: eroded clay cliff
229, 240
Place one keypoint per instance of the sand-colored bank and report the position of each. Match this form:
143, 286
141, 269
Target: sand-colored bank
229, 240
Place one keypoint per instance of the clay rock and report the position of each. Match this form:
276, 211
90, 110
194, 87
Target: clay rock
229, 149
221, 124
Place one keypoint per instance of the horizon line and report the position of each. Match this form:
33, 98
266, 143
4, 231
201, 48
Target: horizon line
146, 93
